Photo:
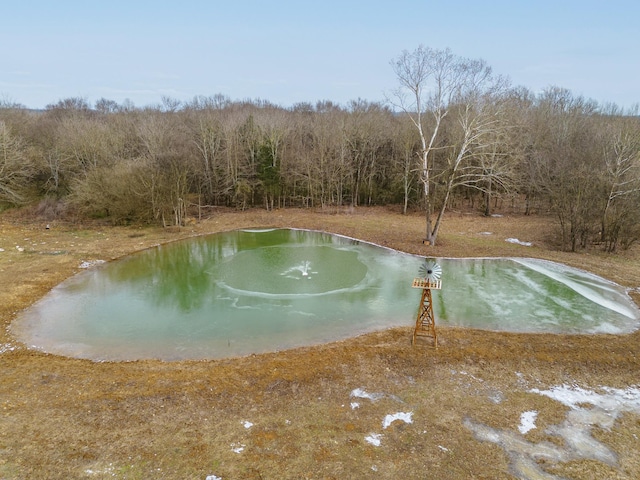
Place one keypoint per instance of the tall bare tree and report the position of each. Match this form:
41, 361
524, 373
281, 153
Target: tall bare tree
428, 82
621, 177
433, 83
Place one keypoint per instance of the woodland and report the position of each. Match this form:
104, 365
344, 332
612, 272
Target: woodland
451, 135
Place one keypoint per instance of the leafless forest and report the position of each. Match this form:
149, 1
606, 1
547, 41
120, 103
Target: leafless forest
440, 141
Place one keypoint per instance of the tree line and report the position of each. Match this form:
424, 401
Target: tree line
479, 142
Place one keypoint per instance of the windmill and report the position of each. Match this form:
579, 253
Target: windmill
428, 278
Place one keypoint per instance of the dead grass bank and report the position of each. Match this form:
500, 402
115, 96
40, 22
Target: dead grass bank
69, 418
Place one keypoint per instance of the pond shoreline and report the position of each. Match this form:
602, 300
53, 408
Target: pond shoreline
268, 281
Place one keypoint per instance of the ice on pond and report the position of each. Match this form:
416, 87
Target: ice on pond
530, 295
253, 291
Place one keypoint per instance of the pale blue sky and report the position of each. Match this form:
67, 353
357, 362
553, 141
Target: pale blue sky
303, 51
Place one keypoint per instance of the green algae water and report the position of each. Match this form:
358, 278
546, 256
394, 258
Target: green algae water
254, 291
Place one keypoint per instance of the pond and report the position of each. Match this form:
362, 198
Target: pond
253, 291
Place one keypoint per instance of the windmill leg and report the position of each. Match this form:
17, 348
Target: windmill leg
425, 321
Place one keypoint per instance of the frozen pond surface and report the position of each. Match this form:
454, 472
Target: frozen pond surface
253, 291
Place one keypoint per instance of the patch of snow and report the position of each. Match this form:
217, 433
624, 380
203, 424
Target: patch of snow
247, 424
614, 400
355, 405
373, 439
213, 477
1, 249
361, 393
6, 347
107, 470
91, 263
403, 416
237, 447
444, 449
588, 408
527, 421
519, 242
486, 233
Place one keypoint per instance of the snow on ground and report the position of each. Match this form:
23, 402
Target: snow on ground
6, 347
374, 439
613, 400
406, 417
518, 242
247, 424
588, 408
91, 263
361, 393
237, 447
527, 421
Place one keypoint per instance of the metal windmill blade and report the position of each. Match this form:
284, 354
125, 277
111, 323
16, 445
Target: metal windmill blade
430, 271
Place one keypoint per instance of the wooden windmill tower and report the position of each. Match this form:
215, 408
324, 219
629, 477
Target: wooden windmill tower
428, 280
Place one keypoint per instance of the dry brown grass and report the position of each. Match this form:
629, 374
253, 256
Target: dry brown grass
67, 418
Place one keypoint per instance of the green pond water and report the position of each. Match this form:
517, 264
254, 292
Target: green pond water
253, 291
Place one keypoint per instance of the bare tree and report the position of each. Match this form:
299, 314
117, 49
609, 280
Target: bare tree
209, 140
275, 128
321, 169
569, 164
16, 168
433, 83
105, 106
405, 146
428, 82
621, 156
366, 135
165, 181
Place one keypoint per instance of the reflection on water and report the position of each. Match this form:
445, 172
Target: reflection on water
246, 292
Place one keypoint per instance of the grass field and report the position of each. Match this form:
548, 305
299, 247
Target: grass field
484, 404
